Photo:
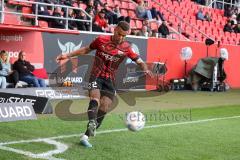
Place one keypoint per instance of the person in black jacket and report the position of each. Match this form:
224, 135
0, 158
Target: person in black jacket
58, 23
228, 27
25, 70
163, 30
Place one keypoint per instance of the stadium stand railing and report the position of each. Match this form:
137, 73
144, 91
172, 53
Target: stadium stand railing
28, 13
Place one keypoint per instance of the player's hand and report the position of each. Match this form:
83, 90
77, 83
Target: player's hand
149, 73
61, 57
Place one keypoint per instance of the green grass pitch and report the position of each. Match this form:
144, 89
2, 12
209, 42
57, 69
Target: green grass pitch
203, 126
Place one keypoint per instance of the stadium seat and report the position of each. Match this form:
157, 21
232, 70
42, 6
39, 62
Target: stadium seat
139, 24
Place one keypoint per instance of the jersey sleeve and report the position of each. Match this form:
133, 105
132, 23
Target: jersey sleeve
132, 54
95, 43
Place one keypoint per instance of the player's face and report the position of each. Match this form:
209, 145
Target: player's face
119, 35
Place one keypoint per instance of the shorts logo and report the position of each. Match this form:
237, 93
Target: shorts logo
92, 85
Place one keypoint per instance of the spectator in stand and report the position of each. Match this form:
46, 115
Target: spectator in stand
95, 2
3, 82
109, 15
83, 26
66, 2
233, 19
91, 7
148, 25
134, 32
6, 71
116, 11
100, 24
25, 70
143, 32
202, 2
154, 33
238, 17
58, 23
42, 10
157, 14
208, 17
200, 15
71, 24
236, 29
228, 12
228, 27
142, 11
163, 30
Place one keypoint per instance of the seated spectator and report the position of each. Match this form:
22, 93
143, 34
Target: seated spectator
233, 19
200, 15
148, 25
228, 12
6, 71
154, 33
157, 15
143, 32
58, 23
91, 7
109, 15
142, 11
228, 27
81, 25
3, 82
208, 17
71, 24
163, 30
42, 10
236, 29
25, 70
238, 17
133, 32
100, 24
117, 12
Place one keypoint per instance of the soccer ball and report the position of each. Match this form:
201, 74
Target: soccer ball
135, 121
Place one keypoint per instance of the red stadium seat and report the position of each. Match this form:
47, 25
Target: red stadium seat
132, 24
139, 24
132, 14
132, 6
125, 5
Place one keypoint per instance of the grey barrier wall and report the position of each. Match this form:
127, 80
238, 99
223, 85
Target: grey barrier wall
77, 69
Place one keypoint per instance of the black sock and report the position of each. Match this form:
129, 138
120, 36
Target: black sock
100, 116
92, 112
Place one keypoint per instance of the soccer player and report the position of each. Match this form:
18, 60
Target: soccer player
110, 52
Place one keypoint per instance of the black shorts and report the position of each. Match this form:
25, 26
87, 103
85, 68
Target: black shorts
106, 86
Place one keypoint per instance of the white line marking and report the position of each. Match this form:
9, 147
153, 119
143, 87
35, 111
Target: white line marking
120, 130
62, 147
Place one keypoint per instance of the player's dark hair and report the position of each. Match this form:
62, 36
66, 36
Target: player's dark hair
2, 52
124, 25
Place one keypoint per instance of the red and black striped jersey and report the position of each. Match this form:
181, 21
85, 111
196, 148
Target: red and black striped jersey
109, 56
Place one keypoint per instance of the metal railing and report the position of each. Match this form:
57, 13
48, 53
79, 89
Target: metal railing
36, 15
181, 20
2, 11
215, 4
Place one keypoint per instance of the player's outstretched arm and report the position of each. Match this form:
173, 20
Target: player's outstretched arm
144, 67
81, 51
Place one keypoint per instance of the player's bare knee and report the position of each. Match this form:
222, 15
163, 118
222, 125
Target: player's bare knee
95, 99
105, 103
